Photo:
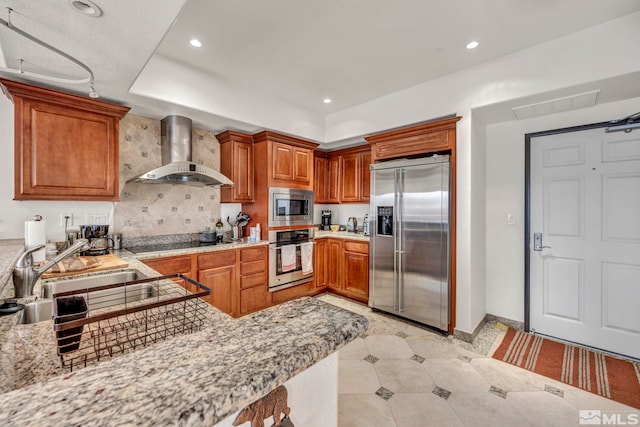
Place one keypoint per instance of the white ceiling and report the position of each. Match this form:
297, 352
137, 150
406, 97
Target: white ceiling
297, 52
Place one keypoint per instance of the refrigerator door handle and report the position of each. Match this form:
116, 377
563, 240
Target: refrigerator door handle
398, 233
396, 267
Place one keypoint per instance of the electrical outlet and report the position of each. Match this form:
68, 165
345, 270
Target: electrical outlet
63, 219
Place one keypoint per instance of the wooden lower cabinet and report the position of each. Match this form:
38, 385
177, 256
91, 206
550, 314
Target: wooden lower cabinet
346, 264
321, 268
254, 281
238, 278
334, 261
218, 272
221, 281
172, 265
303, 290
355, 270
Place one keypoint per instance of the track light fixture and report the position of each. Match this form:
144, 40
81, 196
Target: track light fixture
21, 71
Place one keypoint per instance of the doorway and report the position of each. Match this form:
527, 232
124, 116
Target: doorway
582, 237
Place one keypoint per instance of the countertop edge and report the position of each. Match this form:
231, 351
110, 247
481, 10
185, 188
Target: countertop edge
166, 389
288, 338
345, 235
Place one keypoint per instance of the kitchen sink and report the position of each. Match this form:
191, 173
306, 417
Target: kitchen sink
42, 310
37, 311
57, 286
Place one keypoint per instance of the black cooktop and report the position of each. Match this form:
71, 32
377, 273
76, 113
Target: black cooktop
159, 247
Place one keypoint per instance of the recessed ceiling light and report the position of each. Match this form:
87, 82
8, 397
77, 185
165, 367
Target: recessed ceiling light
327, 100
86, 7
195, 43
472, 45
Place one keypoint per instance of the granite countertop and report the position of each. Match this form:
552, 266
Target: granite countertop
342, 235
242, 243
194, 379
9, 253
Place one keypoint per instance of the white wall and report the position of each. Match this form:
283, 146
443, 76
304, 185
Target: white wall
505, 195
598, 53
341, 212
13, 213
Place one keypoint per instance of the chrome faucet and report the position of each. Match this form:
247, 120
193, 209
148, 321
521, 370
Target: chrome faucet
25, 275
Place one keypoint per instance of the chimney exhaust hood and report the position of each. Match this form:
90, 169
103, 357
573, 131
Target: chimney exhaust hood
177, 167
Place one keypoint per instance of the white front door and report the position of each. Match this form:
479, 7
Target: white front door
585, 203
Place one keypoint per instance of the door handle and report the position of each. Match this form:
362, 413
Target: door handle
537, 242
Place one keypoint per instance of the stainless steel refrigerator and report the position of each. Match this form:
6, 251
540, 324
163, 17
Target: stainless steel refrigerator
409, 253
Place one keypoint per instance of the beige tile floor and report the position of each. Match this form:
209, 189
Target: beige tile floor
402, 375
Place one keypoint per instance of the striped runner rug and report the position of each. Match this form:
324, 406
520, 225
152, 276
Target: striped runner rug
607, 376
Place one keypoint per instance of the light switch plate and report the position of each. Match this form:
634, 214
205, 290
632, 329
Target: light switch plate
97, 218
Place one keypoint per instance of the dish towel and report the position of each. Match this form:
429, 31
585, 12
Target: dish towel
288, 257
306, 255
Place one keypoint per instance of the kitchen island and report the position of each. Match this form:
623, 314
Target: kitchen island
196, 379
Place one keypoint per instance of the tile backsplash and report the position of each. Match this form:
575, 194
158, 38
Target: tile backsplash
158, 209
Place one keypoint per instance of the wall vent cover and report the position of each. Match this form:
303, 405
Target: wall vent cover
572, 102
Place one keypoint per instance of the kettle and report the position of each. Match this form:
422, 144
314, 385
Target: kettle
352, 224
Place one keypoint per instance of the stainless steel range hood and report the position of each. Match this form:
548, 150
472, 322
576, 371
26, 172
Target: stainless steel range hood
177, 167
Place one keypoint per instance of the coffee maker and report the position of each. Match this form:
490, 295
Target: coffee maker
326, 220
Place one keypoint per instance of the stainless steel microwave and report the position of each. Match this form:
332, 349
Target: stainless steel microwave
290, 206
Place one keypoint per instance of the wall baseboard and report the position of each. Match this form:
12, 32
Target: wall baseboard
514, 324
491, 319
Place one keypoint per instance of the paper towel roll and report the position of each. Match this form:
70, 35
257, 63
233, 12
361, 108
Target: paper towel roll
34, 235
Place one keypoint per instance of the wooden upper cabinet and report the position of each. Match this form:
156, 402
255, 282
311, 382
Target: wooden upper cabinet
303, 165
290, 160
351, 178
320, 179
365, 192
291, 163
236, 162
432, 137
66, 146
333, 180
282, 167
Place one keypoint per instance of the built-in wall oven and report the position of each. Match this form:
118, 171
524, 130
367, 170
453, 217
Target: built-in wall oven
290, 206
290, 257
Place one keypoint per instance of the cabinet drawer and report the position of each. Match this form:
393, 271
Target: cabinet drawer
216, 259
170, 265
298, 291
253, 254
252, 280
359, 247
253, 267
